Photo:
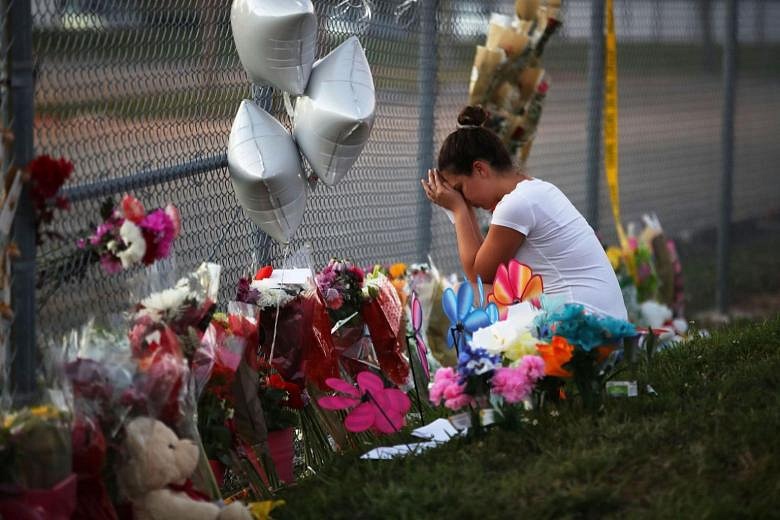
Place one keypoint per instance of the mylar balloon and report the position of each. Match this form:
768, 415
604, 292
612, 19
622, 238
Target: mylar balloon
265, 169
275, 40
333, 119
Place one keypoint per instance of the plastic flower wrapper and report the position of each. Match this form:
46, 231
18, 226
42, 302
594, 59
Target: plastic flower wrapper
397, 274
284, 336
185, 308
341, 283
383, 314
507, 78
429, 285
36, 449
35, 445
320, 359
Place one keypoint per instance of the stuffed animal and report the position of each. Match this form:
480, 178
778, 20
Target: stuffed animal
155, 472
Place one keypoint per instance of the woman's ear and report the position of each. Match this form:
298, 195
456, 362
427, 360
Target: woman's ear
482, 168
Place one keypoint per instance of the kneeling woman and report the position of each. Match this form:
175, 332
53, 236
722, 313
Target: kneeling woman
533, 221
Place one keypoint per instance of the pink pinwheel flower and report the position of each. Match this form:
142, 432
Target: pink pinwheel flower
514, 283
373, 406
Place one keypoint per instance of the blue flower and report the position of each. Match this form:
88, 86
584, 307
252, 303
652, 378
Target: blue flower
476, 362
581, 329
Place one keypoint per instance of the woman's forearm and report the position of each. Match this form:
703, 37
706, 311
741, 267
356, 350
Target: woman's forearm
469, 238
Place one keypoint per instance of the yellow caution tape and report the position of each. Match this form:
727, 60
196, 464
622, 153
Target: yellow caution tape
611, 132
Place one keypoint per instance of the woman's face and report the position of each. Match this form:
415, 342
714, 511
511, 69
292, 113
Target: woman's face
478, 189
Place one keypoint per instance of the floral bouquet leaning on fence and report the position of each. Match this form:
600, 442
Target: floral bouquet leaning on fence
129, 235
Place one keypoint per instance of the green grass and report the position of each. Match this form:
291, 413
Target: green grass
705, 447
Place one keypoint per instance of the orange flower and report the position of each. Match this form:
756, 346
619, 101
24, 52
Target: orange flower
396, 271
555, 355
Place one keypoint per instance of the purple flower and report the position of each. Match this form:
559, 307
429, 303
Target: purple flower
246, 293
106, 227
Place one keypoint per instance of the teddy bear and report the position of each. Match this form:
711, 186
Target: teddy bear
154, 475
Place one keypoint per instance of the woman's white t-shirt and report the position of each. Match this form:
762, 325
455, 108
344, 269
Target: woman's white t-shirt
561, 247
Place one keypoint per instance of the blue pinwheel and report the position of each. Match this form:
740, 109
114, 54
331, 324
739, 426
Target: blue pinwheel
491, 309
465, 319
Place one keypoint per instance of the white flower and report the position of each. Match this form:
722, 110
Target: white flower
134, 240
511, 338
165, 301
522, 315
271, 294
654, 314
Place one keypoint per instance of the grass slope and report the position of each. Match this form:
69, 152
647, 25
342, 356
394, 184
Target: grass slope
706, 446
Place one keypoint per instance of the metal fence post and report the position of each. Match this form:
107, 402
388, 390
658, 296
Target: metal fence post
426, 80
727, 147
595, 110
22, 348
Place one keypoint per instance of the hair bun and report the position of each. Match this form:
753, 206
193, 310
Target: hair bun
472, 115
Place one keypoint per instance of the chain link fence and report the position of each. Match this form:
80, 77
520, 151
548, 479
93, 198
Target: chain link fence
140, 95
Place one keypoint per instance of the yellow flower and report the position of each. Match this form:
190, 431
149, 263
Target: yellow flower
8, 421
43, 411
262, 510
397, 270
615, 255
523, 345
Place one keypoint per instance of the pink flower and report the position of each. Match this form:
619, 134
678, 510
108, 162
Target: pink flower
110, 263
533, 366
447, 388
159, 233
515, 384
374, 407
133, 209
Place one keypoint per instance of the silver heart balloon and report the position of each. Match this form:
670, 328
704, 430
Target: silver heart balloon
333, 119
275, 40
265, 170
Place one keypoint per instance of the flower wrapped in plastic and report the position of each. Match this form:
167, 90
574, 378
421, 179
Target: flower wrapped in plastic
35, 460
340, 284
427, 283
383, 314
507, 78
295, 325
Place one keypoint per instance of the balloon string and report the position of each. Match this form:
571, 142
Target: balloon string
278, 301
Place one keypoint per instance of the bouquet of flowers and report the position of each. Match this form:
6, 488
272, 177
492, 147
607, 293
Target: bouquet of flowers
383, 314
130, 235
507, 78
341, 285
537, 343
35, 462
426, 282
650, 276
